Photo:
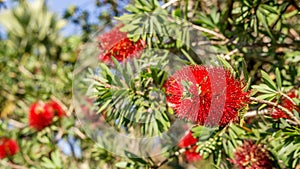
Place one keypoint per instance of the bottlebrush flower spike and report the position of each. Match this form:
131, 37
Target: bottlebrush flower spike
40, 115
252, 156
8, 147
205, 95
116, 44
56, 108
190, 155
278, 113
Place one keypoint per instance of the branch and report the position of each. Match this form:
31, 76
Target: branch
289, 98
255, 112
11, 165
17, 124
288, 112
61, 104
216, 34
176, 153
227, 56
213, 42
79, 133
164, 6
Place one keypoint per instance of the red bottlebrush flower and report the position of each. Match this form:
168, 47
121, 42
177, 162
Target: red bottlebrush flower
116, 44
205, 95
40, 115
8, 147
278, 113
190, 155
56, 108
291, 8
252, 156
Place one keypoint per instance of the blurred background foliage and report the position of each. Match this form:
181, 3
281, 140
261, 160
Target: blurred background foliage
36, 63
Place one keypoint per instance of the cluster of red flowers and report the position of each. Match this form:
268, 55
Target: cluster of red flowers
189, 140
8, 147
41, 114
278, 113
252, 156
116, 44
205, 95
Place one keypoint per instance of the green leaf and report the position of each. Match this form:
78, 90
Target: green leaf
55, 156
271, 9
244, 68
268, 80
263, 20
263, 88
132, 8
122, 164
269, 96
278, 78
188, 56
47, 163
135, 158
104, 106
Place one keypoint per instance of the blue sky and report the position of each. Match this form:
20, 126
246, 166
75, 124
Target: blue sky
58, 6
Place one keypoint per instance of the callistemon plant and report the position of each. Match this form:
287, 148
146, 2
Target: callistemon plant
173, 84
116, 44
252, 156
41, 114
8, 147
287, 102
195, 92
152, 75
189, 142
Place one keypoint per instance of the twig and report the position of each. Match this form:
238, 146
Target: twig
16, 124
104, 84
291, 122
164, 6
255, 112
176, 153
70, 110
62, 105
294, 34
23, 70
79, 133
288, 112
202, 29
289, 98
212, 42
227, 56
216, 34
11, 165
59, 134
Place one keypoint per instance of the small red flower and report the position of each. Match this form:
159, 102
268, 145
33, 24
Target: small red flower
116, 44
252, 156
190, 155
8, 147
40, 115
278, 113
205, 95
56, 108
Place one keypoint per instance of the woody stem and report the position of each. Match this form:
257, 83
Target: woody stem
288, 112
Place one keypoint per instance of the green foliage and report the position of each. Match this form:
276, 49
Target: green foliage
131, 92
33, 29
258, 41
